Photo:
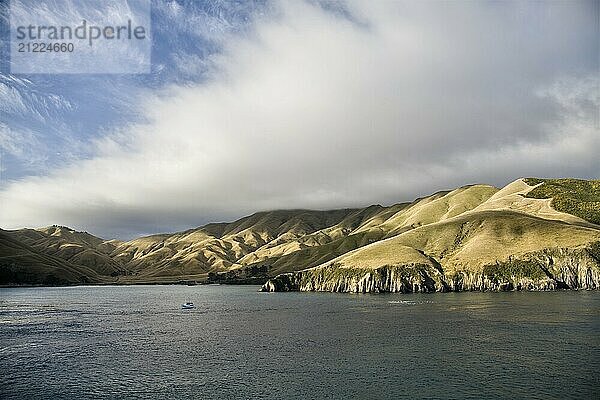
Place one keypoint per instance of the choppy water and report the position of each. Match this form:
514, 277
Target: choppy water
136, 342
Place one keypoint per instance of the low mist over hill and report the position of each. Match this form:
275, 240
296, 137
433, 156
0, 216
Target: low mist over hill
531, 234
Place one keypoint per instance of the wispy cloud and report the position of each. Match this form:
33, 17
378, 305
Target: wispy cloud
67, 114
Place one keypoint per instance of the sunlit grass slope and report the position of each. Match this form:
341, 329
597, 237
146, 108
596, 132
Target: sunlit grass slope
574, 196
471, 227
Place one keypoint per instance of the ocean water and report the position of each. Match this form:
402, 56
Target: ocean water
136, 342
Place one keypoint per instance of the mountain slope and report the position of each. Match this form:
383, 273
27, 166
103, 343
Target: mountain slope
219, 248
284, 240
574, 196
20, 263
476, 237
386, 222
78, 248
508, 241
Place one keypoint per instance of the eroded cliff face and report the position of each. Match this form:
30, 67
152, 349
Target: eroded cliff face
548, 269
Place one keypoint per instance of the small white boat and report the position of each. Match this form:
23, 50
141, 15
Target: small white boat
187, 306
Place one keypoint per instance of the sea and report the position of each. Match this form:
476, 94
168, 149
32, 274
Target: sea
136, 342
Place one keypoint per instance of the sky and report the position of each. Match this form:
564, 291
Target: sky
253, 106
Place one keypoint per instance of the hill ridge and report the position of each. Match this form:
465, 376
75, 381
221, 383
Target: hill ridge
267, 243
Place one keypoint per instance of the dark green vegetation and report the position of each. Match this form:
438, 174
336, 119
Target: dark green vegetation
467, 237
574, 196
514, 269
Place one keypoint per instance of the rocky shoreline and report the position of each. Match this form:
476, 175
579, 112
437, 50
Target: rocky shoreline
550, 269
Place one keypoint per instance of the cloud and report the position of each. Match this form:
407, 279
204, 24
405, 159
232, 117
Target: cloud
88, 55
16, 144
319, 109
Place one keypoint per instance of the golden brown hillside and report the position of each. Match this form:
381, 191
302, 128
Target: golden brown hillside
507, 241
469, 234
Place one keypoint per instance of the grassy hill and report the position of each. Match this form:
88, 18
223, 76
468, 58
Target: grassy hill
574, 196
472, 236
78, 248
20, 264
510, 240
378, 224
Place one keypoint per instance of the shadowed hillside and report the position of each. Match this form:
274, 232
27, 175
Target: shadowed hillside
78, 248
20, 263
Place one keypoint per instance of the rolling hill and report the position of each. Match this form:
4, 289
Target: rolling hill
531, 234
23, 264
509, 241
